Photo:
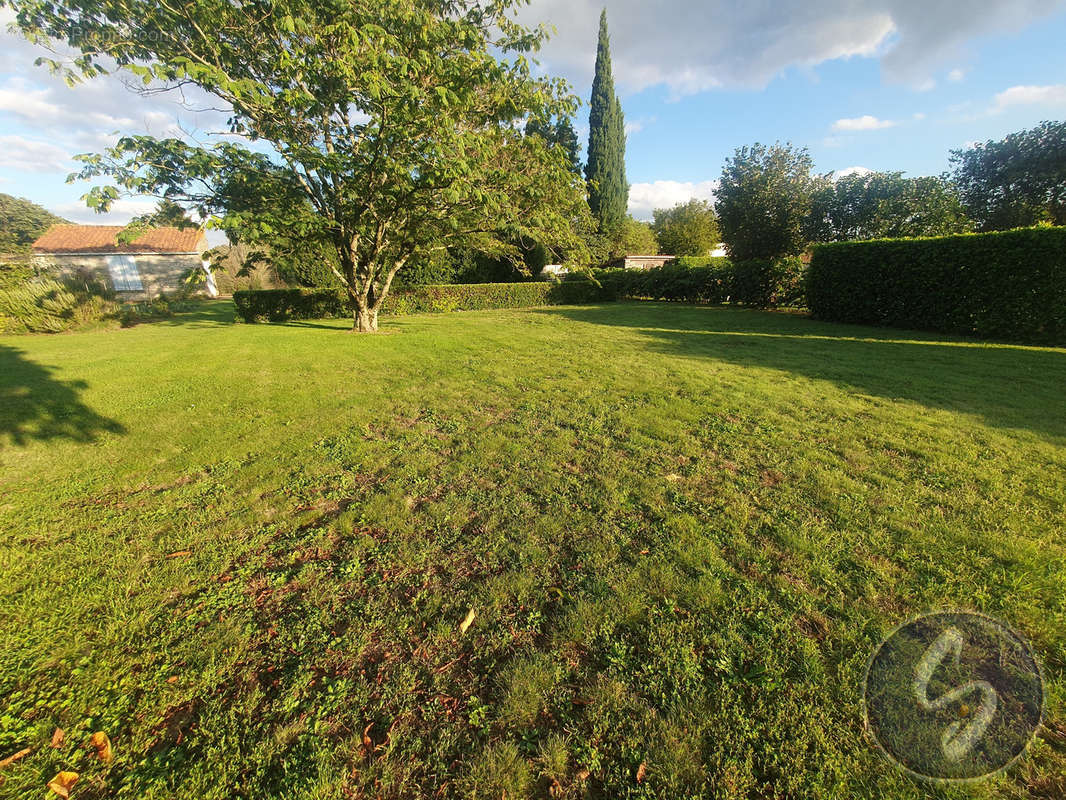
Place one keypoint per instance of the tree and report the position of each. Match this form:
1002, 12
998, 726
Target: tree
382, 131
687, 229
1016, 182
764, 199
560, 134
21, 223
637, 238
608, 190
167, 214
881, 205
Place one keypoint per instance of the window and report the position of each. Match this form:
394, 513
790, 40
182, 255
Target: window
124, 274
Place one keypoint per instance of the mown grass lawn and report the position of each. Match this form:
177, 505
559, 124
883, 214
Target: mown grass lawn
245, 552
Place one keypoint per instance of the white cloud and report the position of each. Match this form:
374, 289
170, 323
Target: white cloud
843, 173
956, 75
692, 47
121, 212
864, 123
919, 116
637, 125
1029, 96
644, 198
31, 155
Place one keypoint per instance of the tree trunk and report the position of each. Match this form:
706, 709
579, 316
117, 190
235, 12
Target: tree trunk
366, 320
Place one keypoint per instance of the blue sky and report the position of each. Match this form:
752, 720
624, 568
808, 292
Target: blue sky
876, 84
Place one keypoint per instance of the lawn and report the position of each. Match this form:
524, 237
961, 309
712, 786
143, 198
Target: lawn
246, 552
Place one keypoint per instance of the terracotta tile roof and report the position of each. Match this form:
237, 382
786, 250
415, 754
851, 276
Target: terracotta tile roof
101, 239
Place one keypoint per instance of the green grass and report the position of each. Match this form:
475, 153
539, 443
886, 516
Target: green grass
683, 532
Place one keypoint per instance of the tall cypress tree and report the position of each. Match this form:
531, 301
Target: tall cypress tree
606, 167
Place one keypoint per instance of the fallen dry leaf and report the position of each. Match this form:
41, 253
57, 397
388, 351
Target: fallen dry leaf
179, 554
62, 783
102, 744
642, 772
12, 759
57, 738
673, 477
368, 743
172, 679
582, 774
466, 623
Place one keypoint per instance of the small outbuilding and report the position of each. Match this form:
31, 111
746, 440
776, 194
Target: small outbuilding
640, 262
158, 261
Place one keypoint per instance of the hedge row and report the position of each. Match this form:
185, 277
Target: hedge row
278, 305
1008, 285
754, 283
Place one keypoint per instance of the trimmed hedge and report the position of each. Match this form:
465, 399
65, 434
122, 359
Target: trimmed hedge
1008, 285
278, 305
763, 284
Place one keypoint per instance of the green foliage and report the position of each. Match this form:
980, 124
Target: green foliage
697, 284
885, 205
379, 130
634, 237
766, 283
21, 223
436, 268
687, 229
608, 189
130, 314
278, 305
560, 134
764, 201
167, 214
1017, 181
45, 305
15, 270
1009, 285
762, 284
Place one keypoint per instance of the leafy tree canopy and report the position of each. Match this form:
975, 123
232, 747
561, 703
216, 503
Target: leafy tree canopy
167, 214
382, 130
1017, 181
764, 200
561, 134
882, 205
21, 223
636, 239
687, 229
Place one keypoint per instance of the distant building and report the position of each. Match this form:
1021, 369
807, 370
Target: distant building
156, 262
640, 262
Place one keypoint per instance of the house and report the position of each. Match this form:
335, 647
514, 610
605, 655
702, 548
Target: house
640, 262
156, 262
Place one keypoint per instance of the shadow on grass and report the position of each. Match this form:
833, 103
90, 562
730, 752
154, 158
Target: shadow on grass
1009, 386
199, 314
36, 405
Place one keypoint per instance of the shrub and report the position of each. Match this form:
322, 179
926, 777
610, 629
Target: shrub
1009, 285
284, 304
707, 280
49, 306
769, 284
130, 314
278, 305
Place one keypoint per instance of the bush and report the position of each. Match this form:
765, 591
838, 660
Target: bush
769, 284
285, 304
1009, 285
130, 314
49, 306
707, 280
